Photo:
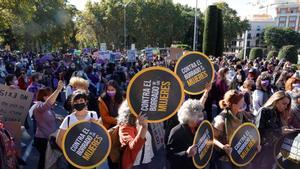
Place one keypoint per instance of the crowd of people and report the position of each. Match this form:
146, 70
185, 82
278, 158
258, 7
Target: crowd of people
263, 92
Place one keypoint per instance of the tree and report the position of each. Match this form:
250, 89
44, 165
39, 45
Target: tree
36, 24
289, 53
210, 29
272, 54
276, 38
220, 35
255, 53
233, 25
241, 54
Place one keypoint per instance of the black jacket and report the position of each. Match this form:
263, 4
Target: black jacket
180, 139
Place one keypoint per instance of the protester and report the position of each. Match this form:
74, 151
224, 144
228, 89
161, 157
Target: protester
261, 94
80, 113
224, 126
273, 124
109, 103
133, 137
11, 81
45, 119
34, 85
180, 147
23, 80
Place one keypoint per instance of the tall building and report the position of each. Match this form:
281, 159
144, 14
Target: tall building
257, 23
287, 14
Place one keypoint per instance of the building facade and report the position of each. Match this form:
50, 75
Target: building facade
254, 36
287, 14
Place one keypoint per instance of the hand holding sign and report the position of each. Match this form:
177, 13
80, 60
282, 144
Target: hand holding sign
227, 148
191, 151
142, 121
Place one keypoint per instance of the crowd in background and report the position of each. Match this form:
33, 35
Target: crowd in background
264, 92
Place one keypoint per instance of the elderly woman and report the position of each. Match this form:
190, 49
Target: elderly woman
134, 138
180, 148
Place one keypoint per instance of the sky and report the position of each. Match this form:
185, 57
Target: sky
243, 7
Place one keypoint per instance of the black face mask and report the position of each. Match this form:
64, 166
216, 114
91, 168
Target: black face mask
79, 106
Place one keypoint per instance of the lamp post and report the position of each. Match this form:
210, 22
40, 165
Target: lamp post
195, 27
125, 5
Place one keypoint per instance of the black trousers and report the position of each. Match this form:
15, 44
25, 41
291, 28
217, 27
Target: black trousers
41, 146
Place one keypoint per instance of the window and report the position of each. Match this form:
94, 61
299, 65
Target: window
281, 25
248, 43
257, 35
293, 18
294, 10
258, 28
282, 11
282, 19
249, 36
292, 24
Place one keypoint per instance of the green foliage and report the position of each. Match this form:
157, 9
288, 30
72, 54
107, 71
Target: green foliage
241, 53
155, 23
233, 25
276, 38
289, 53
255, 53
272, 53
220, 35
37, 24
210, 30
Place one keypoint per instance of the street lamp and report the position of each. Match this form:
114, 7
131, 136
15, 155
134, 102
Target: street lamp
125, 5
195, 27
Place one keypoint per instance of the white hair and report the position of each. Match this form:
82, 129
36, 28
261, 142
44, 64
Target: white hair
189, 110
124, 114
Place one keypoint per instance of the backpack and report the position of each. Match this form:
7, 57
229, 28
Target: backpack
115, 152
8, 148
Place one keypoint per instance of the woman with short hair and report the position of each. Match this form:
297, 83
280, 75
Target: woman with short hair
180, 147
135, 139
45, 119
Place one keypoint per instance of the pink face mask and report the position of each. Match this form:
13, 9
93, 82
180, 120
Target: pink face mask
111, 93
265, 82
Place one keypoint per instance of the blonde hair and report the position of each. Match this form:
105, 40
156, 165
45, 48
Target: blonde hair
79, 82
248, 83
271, 102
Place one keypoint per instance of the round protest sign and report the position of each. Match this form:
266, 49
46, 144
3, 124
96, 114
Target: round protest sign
244, 143
204, 141
287, 151
86, 144
156, 92
195, 70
